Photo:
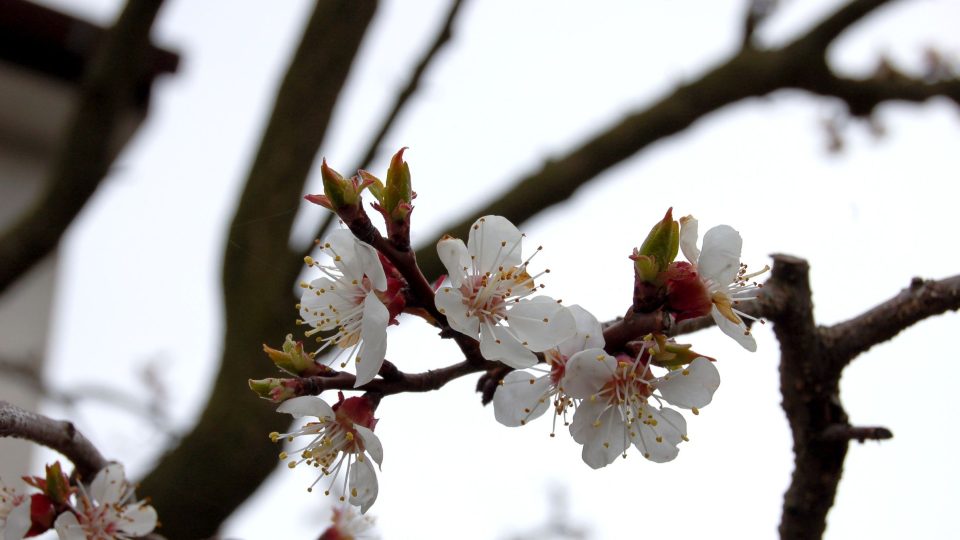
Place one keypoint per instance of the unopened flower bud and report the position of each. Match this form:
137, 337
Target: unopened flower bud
292, 358
338, 191
398, 193
272, 388
660, 247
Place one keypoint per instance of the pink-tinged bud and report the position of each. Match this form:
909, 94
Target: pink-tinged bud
687, 296
321, 200
273, 389
357, 410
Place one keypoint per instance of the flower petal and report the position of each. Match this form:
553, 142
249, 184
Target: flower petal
692, 386
449, 301
658, 433
601, 431
521, 398
541, 323
68, 528
363, 484
587, 372
494, 242
138, 520
589, 334
738, 332
453, 254
371, 443
688, 239
18, 521
720, 257
306, 406
498, 344
109, 484
373, 333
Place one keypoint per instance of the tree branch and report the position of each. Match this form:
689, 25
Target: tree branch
413, 84
259, 270
921, 300
749, 73
58, 435
107, 90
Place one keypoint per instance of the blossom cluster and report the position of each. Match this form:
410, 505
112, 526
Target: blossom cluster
104, 511
611, 394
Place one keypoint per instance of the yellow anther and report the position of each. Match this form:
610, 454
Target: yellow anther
309, 260
685, 372
283, 455
353, 492
695, 410
274, 436
659, 439
292, 464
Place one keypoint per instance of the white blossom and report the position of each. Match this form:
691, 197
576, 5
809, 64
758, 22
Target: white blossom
14, 513
105, 512
341, 438
525, 395
344, 301
726, 279
614, 410
486, 298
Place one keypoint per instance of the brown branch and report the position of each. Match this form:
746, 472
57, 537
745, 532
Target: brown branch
844, 433
58, 435
921, 300
107, 90
258, 272
749, 73
413, 84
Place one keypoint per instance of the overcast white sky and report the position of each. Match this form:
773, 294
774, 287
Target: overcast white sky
524, 80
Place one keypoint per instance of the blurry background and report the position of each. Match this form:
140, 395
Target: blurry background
137, 304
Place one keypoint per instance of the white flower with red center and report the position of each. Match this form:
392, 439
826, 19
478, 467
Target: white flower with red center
614, 410
345, 302
341, 438
348, 525
487, 295
15, 519
525, 395
106, 511
726, 281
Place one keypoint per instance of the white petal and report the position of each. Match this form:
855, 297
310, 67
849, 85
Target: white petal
720, 258
373, 332
521, 398
688, 239
139, 520
344, 249
668, 425
68, 528
450, 302
494, 242
109, 485
498, 344
542, 324
453, 254
363, 480
306, 406
589, 334
371, 443
692, 386
602, 433
18, 521
371, 266
586, 373
738, 332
